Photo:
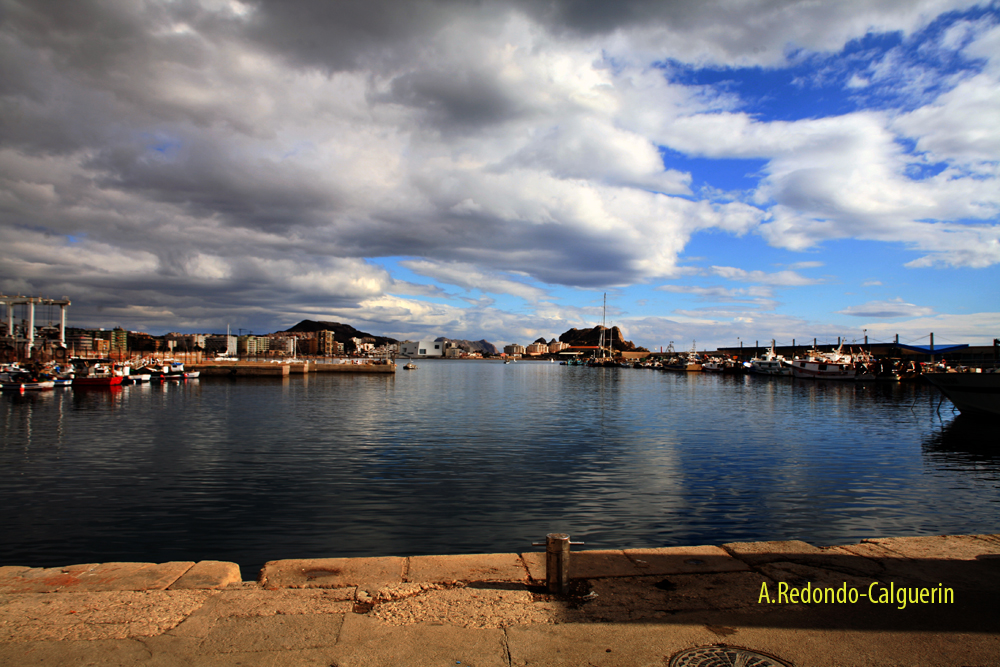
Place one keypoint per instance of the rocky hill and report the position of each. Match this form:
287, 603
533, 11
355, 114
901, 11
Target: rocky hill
342, 333
592, 337
483, 346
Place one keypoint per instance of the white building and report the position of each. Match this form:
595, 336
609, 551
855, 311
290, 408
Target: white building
422, 348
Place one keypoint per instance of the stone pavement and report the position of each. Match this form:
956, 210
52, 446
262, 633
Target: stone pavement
789, 602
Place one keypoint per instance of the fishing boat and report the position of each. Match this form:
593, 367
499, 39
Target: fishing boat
410, 366
824, 365
972, 393
18, 379
690, 364
95, 373
770, 364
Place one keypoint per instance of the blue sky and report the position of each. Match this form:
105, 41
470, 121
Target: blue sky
723, 171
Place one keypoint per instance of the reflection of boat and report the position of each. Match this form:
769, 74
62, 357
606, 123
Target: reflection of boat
972, 393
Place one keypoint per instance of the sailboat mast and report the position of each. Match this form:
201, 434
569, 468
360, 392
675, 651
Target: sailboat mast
604, 318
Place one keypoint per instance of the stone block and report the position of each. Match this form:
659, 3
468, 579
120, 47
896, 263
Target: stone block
131, 576
208, 574
757, 553
685, 560
475, 567
332, 572
938, 547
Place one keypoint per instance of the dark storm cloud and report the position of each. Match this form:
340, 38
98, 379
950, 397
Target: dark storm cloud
350, 34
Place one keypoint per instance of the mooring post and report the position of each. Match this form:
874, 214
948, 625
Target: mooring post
557, 562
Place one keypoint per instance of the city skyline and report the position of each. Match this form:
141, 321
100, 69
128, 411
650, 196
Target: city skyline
724, 171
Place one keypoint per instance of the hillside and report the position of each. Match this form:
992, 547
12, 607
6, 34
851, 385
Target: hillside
483, 346
592, 337
341, 332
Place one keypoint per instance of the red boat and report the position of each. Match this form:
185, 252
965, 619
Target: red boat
97, 380
95, 373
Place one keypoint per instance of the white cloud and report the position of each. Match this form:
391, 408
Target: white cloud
887, 309
779, 278
470, 277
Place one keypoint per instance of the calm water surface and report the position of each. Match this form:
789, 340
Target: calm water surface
470, 457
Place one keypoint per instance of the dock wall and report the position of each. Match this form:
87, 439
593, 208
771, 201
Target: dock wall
254, 369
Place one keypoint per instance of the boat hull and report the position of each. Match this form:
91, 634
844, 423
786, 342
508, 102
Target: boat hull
112, 381
972, 393
769, 368
27, 386
819, 370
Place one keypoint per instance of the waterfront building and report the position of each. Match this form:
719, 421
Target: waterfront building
221, 345
514, 350
116, 338
283, 344
308, 345
536, 349
557, 346
327, 344
421, 348
186, 342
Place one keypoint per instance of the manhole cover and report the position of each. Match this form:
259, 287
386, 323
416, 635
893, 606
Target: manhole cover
724, 656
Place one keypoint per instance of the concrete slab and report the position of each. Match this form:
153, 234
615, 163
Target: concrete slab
43, 580
952, 547
797, 575
74, 653
493, 605
629, 599
208, 574
476, 567
95, 615
273, 633
602, 645
756, 553
365, 642
131, 576
332, 572
680, 560
585, 564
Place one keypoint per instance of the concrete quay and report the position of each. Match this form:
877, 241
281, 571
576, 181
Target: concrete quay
777, 601
266, 369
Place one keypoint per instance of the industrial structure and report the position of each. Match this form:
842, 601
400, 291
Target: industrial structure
18, 339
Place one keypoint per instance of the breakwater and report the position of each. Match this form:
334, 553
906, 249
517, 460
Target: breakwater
264, 369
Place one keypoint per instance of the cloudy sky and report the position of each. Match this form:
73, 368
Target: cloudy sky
724, 170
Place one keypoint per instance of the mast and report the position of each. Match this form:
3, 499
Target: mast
604, 316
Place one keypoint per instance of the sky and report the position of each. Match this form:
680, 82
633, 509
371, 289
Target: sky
724, 171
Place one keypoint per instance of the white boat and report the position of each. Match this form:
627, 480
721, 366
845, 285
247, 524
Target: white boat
824, 365
770, 364
972, 393
410, 366
22, 380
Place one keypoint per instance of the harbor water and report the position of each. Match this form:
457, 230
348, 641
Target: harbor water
476, 457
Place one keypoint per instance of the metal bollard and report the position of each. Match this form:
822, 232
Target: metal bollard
557, 562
